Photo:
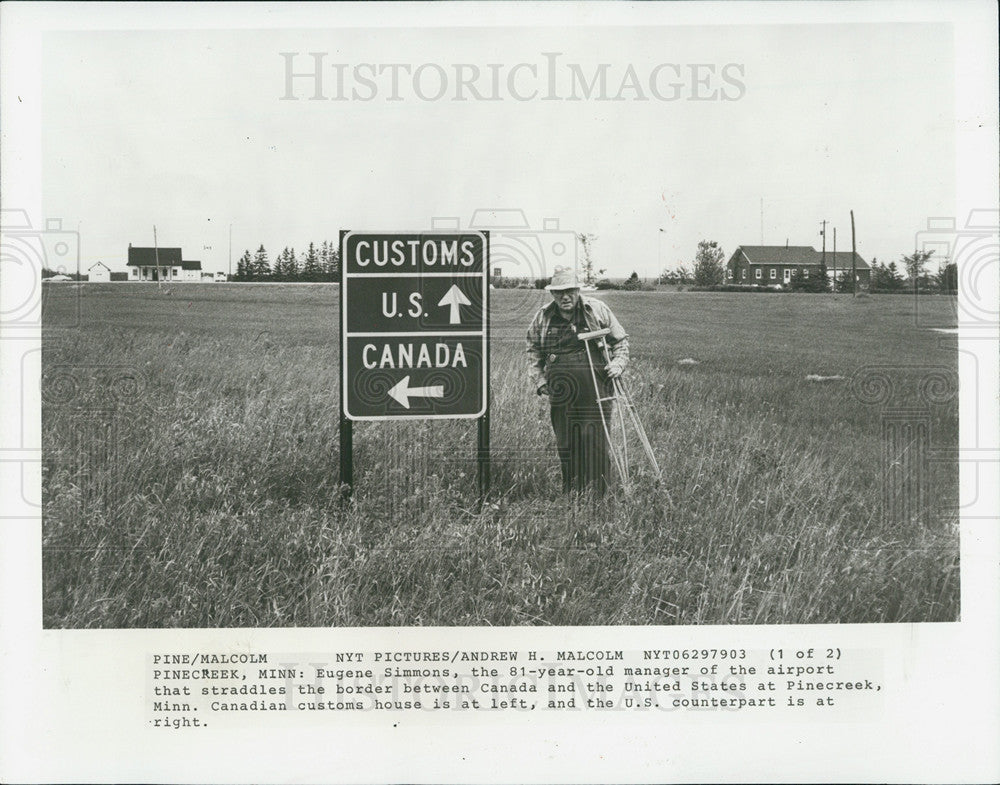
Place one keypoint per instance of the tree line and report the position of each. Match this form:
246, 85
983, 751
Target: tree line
914, 275
909, 275
313, 264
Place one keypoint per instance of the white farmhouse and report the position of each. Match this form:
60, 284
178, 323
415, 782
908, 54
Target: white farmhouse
161, 264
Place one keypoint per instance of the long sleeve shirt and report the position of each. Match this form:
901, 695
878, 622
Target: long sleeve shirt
597, 315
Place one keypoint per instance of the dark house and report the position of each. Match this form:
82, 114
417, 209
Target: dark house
771, 265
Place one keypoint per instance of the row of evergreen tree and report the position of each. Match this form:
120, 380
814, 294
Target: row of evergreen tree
314, 264
889, 277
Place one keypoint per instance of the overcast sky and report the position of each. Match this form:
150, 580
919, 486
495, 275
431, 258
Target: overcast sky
186, 130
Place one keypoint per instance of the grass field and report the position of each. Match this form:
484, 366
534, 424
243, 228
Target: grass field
190, 471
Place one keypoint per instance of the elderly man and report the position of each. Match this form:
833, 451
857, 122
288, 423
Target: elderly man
558, 362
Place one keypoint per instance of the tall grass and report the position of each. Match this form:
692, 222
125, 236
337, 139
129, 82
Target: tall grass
209, 496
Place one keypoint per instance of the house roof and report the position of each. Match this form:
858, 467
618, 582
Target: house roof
99, 264
843, 259
190, 265
778, 254
148, 257
795, 256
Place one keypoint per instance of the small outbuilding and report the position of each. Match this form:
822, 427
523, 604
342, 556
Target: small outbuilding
190, 271
99, 273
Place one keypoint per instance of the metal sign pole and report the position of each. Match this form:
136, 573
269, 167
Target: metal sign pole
483, 430
483, 457
346, 426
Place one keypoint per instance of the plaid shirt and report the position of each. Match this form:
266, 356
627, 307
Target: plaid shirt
598, 317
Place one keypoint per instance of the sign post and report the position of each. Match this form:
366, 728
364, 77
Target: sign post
414, 328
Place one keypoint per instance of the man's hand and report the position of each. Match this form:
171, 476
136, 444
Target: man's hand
543, 389
614, 369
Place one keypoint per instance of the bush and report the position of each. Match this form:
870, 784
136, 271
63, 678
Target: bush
730, 287
632, 283
604, 283
921, 292
708, 267
506, 282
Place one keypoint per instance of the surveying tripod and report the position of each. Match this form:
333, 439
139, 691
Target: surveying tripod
619, 454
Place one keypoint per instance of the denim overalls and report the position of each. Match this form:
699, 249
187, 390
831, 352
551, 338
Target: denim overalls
576, 416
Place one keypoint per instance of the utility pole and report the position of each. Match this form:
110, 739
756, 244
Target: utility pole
156, 257
854, 254
762, 220
822, 233
659, 251
835, 260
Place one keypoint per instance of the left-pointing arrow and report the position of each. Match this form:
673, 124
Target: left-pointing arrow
402, 392
454, 298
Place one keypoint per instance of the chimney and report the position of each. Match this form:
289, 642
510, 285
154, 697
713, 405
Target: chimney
786, 242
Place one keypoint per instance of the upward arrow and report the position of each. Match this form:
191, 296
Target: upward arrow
454, 298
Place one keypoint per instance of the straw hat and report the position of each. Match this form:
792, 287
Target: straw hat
563, 278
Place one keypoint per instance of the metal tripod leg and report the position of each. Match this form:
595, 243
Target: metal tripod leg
625, 404
626, 401
619, 459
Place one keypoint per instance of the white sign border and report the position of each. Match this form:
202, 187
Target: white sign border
484, 338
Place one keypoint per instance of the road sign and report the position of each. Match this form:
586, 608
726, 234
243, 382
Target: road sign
414, 324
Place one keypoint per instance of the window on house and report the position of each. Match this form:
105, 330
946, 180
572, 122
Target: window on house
758, 273
787, 275
743, 273
805, 273
729, 274
774, 273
